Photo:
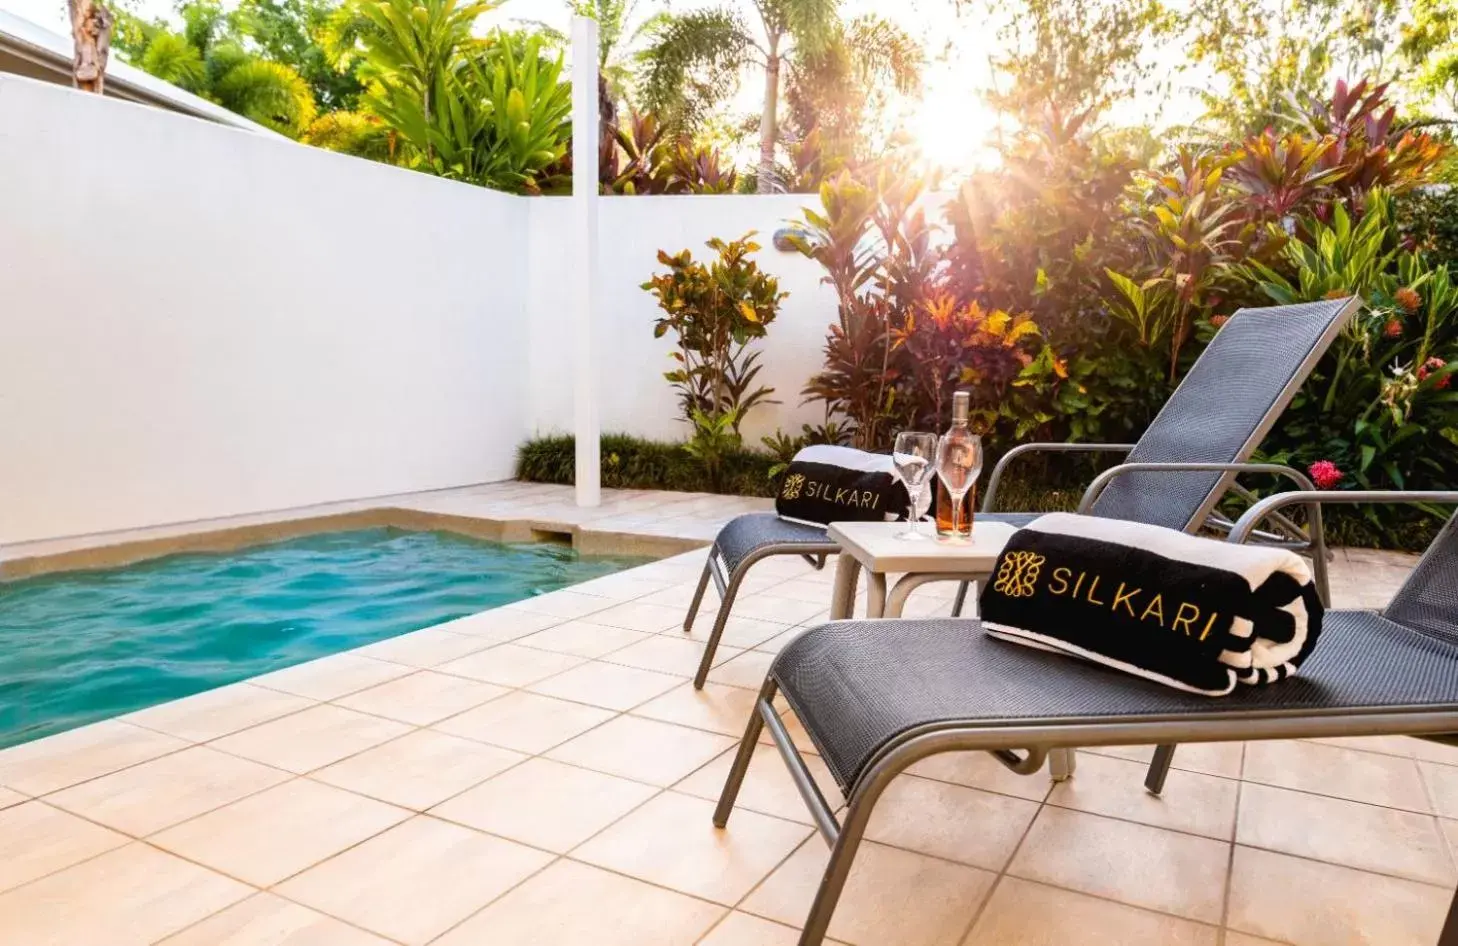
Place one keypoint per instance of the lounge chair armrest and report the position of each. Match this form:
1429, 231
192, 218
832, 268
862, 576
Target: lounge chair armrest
1102, 481
996, 478
1257, 513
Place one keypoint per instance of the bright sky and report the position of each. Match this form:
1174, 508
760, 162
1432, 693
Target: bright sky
951, 123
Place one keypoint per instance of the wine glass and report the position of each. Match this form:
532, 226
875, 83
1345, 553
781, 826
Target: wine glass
912, 457
959, 463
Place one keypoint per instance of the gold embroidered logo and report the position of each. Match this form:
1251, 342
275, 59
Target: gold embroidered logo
1018, 575
793, 484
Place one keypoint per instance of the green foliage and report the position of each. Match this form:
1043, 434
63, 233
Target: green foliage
651, 162
354, 133
714, 313
209, 58
492, 111
634, 463
291, 32
1427, 219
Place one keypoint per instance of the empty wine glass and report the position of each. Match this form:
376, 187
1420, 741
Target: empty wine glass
959, 463
913, 457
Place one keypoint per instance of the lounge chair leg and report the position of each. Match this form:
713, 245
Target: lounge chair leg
961, 599
745, 754
1061, 763
693, 611
720, 619
1159, 768
1449, 936
843, 854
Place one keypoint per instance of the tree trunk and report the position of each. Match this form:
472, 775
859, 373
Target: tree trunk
607, 127
91, 25
769, 121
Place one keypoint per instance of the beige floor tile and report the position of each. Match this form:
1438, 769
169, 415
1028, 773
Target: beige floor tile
1442, 784
500, 625
424, 648
570, 903
1400, 746
154, 795
582, 639
1367, 837
329, 678
511, 665
679, 595
892, 896
742, 929
748, 670
641, 616
668, 654
420, 769
951, 821
1132, 863
1207, 758
769, 606
277, 833
767, 786
1312, 904
1233, 938
1198, 804
58, 761
215, 713
1022, 913
132, 896
1340, 773
416, 880
311, 738
671, 841
777, 643
624, 586
525, 722
9, 798
611, 686
36, 839
267, 920
565, 605
739, 632
980, 770
546, 804
642, 749
1450, 831
422, 698
1430, 751
716, 708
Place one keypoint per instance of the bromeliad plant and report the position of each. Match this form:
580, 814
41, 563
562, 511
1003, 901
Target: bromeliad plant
714, 312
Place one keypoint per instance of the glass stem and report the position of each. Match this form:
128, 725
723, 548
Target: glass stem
956, 514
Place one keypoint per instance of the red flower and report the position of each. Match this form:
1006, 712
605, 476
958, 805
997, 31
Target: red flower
1430, 366
1393, 328
1219, 320
1325, 474
1408, 298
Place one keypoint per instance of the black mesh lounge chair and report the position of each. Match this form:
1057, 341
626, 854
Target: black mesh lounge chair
1185, 462
877, 696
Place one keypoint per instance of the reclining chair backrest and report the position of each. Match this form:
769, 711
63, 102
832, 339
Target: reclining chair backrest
1223, 409
1428, 600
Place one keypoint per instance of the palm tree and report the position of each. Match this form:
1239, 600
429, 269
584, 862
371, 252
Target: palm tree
699, 56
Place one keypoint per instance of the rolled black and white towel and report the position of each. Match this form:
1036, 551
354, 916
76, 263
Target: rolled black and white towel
826, 483
1196, 614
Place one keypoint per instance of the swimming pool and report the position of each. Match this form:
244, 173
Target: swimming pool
84, 646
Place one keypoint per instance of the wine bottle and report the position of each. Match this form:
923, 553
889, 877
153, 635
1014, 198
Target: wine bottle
961, 411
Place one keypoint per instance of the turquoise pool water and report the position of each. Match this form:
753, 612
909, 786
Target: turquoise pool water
84, 646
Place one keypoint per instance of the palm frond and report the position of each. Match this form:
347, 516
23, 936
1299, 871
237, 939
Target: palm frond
270, 93
172, 58
694, 65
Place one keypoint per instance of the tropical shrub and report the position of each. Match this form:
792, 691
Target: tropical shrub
714, 313
1379, 408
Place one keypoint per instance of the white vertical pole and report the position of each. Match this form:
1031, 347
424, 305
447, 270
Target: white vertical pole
582, 269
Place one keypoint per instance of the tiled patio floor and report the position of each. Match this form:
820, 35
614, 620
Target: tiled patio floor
544, 773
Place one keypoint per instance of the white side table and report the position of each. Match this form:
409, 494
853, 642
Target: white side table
873, 546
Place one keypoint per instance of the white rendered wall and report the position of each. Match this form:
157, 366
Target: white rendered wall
199, 322
635, 398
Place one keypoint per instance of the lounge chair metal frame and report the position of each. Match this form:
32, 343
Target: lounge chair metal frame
1040, 740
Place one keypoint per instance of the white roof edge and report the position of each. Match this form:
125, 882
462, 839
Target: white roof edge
43, 47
